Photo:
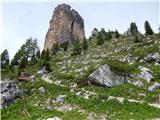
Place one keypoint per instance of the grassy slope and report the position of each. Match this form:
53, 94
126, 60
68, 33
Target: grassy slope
110, 52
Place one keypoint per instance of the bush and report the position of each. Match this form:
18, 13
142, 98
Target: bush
64, 76
119, 67
136, 38
82, 81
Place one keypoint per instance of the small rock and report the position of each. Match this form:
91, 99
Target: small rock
78, 93
42, 71
54, 118
142, 94
74, 85
137, 83
119, 99
65, 108
152, 57
42, 90
60, 98
154, 87
157, 63
58, 82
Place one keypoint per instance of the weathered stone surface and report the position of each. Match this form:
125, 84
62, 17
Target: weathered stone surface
60, 98
42, 90
152, 57
154, 87
103, 76
137, 83
54, 118
66, 25
146, 74
9, 92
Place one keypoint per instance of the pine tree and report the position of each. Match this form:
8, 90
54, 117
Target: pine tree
148, 29
136, 38
33, 59
38, 55
17, 58
76, 48
100, 40
43, 54
47, 66
47, 55
116, 34
109, 35
103, 33
85, 44
55, 48
27, 50
23, 63
64, 45
133, 29
4, 59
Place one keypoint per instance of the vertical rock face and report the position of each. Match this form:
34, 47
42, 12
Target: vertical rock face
66, 25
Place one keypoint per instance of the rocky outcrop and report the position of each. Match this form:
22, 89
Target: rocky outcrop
146, 74
9, 92
103, 76
66, 25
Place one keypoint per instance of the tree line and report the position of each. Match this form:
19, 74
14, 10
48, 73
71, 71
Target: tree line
29, 53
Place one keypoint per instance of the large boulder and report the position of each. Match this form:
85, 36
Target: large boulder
9, 92
103, 76
66, 25
146, 74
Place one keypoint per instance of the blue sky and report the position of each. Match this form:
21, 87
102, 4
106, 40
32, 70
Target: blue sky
21, 20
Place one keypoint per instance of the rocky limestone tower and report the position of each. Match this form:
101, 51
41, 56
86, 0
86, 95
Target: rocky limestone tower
66, 25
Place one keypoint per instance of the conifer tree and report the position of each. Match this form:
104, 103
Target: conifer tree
55, 48
109, 35
4, 59
64, 45
85, 44
23, 63
47, 55
26, 51
38, 55
100, 40
148, 29
133, 29
43, 55
76, 48
116, 34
